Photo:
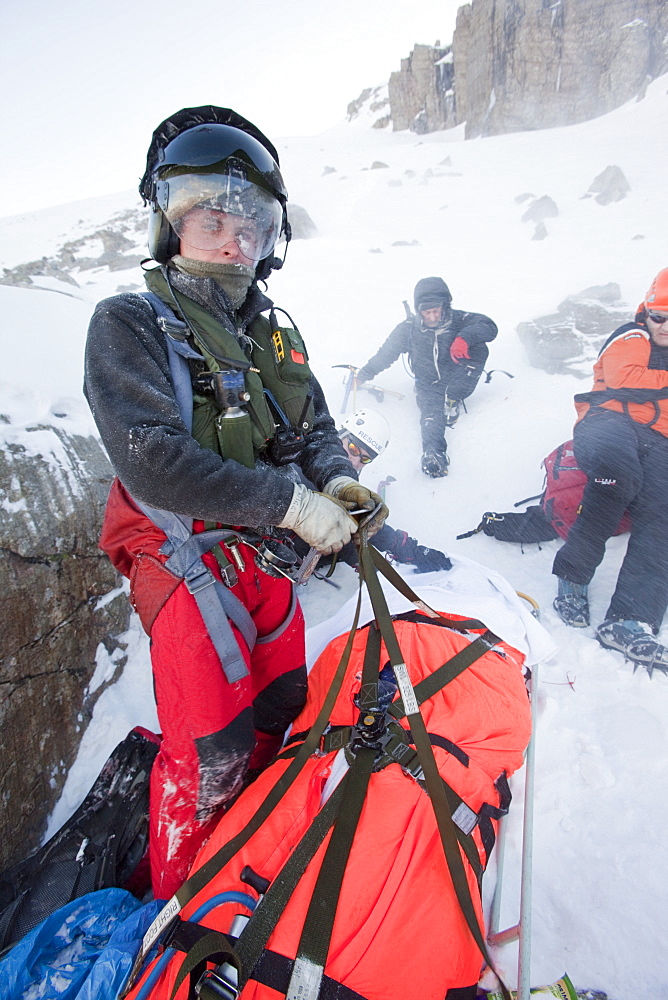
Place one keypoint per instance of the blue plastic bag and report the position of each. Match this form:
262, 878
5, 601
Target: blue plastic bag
83, 951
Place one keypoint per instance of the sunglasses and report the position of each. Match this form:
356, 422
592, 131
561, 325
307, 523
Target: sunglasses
358, 453
657, 317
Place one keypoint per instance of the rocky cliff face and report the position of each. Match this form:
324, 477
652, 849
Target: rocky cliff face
61, 615
524, 64
421, 93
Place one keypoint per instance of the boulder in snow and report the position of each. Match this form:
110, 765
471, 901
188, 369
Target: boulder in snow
567, 341
610, 185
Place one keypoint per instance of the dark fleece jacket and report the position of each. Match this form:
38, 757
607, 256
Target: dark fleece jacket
128, 387
429, 350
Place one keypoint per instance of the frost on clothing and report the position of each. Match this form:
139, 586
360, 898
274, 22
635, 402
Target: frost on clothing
213, 731
130, 392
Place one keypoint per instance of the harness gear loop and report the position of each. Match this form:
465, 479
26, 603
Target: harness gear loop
217, 605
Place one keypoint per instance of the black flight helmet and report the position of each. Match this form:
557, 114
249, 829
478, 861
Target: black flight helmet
212, 163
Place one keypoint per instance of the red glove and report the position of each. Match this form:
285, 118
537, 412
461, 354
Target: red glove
459, 350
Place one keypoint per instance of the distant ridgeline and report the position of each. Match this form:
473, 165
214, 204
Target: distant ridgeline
516, 65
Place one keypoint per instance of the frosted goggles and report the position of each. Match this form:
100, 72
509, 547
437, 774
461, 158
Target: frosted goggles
209, 211
657, 317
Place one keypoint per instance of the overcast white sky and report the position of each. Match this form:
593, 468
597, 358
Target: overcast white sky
84, 83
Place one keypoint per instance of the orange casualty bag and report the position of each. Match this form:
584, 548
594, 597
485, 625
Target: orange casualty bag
390, 912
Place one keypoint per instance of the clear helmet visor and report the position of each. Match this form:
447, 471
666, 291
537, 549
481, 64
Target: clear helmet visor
210, 211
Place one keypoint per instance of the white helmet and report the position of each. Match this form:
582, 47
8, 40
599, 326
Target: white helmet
369, 429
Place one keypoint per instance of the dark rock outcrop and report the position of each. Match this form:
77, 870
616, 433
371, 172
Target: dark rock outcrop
374, 102
119, 245
568, 341
420, 93
56, 632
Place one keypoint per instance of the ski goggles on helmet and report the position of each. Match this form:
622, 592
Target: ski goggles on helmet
209, 211
657, 317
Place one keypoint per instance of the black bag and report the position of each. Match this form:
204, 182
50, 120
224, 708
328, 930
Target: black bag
528, 526
99, 847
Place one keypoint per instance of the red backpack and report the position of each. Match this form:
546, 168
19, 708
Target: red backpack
554, 516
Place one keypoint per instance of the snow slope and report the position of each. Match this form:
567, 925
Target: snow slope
447, 207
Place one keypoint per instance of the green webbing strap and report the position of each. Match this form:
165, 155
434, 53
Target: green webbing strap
203, 875
446, 673
368, 696
380, 563
466, 841
213, 944
257, 931
316, 935
437, 794
454, 624
199, 879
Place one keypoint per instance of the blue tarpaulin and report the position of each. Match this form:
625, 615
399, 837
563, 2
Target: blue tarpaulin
83, 951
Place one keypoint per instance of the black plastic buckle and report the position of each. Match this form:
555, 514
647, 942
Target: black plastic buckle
400, 752
370, 732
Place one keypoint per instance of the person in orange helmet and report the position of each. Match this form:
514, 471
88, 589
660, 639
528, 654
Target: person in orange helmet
621, 442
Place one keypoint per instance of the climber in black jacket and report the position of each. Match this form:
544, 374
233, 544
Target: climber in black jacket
447, 351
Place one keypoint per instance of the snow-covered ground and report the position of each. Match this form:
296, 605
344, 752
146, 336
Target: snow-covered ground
442, 206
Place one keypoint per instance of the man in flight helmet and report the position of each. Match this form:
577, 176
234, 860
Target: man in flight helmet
447, 351
620, 440
204, 400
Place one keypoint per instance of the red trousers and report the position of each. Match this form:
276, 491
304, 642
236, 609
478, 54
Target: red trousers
212, 731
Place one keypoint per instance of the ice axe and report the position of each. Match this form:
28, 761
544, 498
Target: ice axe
350, 383
383, 484
377, 391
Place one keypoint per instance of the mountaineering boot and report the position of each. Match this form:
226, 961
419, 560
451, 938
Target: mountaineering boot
452, 411
435, 464
571, 603
636, 641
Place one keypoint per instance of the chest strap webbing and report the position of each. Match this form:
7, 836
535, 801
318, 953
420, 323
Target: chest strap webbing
216, 604
179, 352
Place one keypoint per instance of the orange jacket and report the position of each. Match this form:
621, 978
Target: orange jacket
627, 361
399, 931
